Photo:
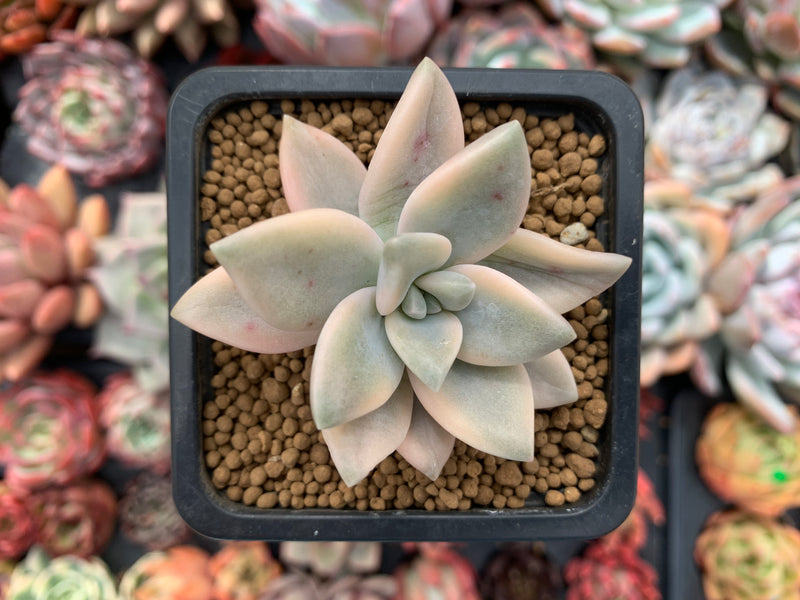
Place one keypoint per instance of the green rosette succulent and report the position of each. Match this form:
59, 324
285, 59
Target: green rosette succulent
67, 577
415, 280
744, 557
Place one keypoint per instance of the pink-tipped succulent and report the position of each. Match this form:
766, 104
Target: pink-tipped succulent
25, 23
77, 519
714, 133
380, 269
147, 513
327, 559
744, 557
610, 573
93, 106
437, 573
188, 22
680, 248
136, 423
242, 570
348, 32
757, 287
17, 527
49, 430
647, 509
46, 246
180, 573
131, 276
516, 37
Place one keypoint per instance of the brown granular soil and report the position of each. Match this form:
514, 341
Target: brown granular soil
260, 443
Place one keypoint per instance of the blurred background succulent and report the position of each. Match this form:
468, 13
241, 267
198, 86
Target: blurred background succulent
762, 38
748, 463
647, 509
49, 430
93, 106
437, 571
715, 134
326, 559
607, 572
348, 32
46, 242
131, 276
25, 23
521, 571
242, 570
180, 572
147, 513
188, 22
757, 287
17, 528
43, 578
680, 248
515, 37
742, 556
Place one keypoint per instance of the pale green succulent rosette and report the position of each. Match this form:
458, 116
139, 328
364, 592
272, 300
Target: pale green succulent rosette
415, 281
64, 578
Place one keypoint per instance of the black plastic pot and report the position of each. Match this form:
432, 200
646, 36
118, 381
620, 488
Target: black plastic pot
601, 104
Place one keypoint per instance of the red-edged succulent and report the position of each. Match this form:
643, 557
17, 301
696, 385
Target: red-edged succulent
17, 527
607, 572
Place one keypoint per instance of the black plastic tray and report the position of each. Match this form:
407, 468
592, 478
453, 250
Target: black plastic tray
601, 104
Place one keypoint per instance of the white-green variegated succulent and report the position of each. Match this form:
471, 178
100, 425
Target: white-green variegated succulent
435, 316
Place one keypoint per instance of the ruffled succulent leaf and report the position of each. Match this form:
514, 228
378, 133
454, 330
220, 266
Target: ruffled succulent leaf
427, 346
427, 445
294, 269
507, 324
561, 275
552, 380
477, 198
214, 307
355, 369
452, 290
358, 445
317, 170
406, 257
488, 408
425, 130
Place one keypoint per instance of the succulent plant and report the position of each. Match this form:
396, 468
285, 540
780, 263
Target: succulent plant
49, 430
515, 37
748, 463
680, 248
17, 528
45, 248
136, 423
327, 559
131, 275
352, 587
396, 288
659, 33
745, 557
348, 32
610, 573
713, 133
153, 21
762, 38
520, 571
25, 23
647, 509
437, 573
6, 568
242, 570
147, 513
757, 287
76, 519
180, 573
70, 577
293, 586
92, 106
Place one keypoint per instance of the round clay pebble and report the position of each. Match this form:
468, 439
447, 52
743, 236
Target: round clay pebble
554, 498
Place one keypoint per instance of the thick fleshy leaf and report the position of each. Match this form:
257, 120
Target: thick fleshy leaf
427, 445
54, 310
424, 131
414, 304
552, 380
507, 324
317, 170
758, 395
12, 332
18, 299
213, 307
358, 445
294, 269
477, 198
57, 188
406, 257
563, 276
427, 346
355, 369
489, 408
43, 253
451, 290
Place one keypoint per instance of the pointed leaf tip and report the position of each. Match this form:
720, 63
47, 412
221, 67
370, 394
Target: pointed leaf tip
427, 445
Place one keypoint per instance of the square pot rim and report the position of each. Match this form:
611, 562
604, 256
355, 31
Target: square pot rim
199, 97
